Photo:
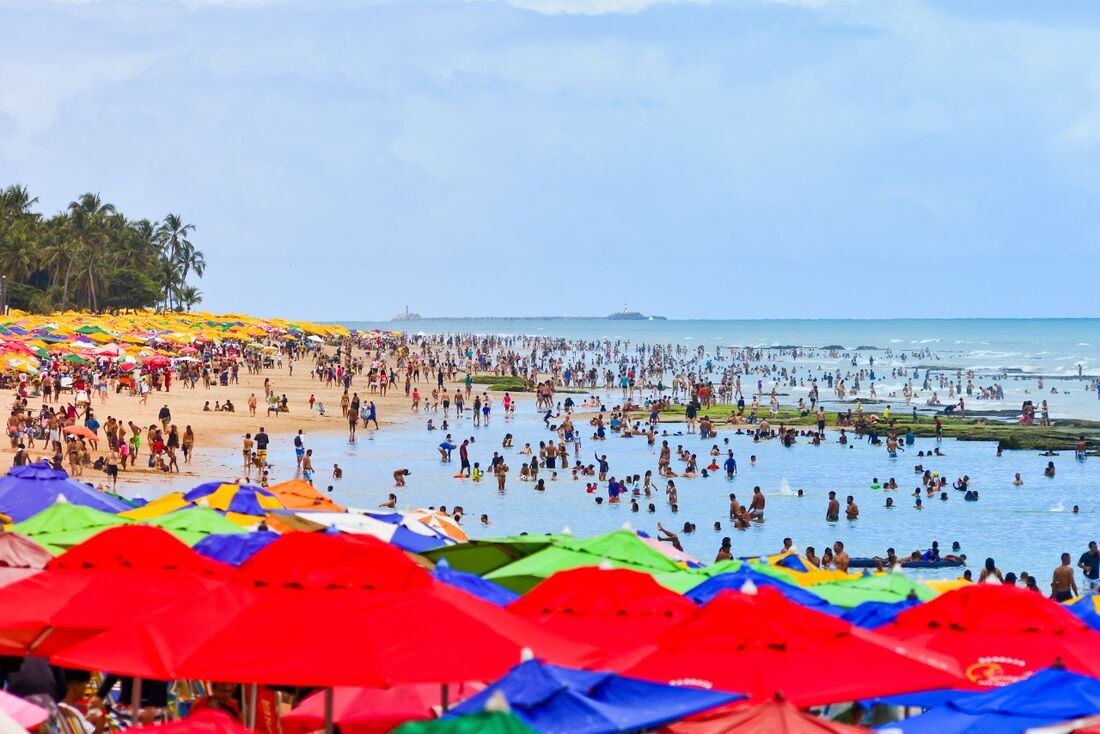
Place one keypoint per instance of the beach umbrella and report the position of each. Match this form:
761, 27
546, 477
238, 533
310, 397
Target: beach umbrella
354, 611
488, 554
615, 610
873, 614
737, 580
83, 592
473, 584
159, 507
667, 549
29, 489
762, 644
192, 524
63, 525
687, 579
234, 549
884, 587
22, 712
483, 722
203, 722
1047, 697
998, 634
243, 499
1084, 608
371, 710
777, 715
557, 700
19, 551
393, 527
945, 585
298, 494
441, 522
802, 571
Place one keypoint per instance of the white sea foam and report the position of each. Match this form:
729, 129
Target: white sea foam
785, 489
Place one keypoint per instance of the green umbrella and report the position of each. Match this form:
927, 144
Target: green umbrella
192, 524
620, 549
75, 358
483, 722
489, 554
91, 330
884, 587
63, 525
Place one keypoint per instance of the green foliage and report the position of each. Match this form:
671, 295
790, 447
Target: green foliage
501, 383
90, 256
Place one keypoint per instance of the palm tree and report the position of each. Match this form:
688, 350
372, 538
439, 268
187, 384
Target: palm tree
172, 236
188, 259
90, 224
190, 296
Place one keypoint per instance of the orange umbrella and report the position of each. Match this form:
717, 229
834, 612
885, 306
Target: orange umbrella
298, 494
81, 431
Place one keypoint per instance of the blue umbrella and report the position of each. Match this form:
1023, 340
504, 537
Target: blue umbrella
474, 584
418, 538
27, 490
234, 548
552, 700
246, 499
1085, 610
872, 614
1048, 697
734, 580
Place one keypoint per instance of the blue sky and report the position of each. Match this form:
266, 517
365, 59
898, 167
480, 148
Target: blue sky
723, 159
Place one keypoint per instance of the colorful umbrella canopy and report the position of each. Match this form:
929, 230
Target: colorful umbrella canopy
440, 522
371, 710
557, 700
884, 587
192, 524
298, 494
29, 489
998, 634
483, 722
615, 610
736, 580
473, 584
873, 614
157, 508
24, 713
763, 644
341, 598
244, 499
777, 716
203, 722
236, 548
19, 551
63, 525
82, 592
390, 527
1084, 609
1047, 697
489, 554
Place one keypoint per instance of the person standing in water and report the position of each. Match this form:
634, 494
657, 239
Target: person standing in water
1063, 586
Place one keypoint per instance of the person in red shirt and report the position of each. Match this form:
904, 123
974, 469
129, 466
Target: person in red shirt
222, 698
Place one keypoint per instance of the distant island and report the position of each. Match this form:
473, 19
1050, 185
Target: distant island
623, 315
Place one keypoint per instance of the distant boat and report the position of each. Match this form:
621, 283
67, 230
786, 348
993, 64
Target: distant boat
626, 315
406, 316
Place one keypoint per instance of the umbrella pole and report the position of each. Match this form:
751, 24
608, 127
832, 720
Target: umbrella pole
444, 696
135, 703
252, 707
328, 711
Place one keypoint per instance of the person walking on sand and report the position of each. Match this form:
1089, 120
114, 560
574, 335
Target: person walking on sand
246, 449
111, 466
299, 450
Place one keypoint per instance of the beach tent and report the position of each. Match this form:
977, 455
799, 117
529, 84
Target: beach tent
884, 587
372, 710
557, 700
234, 548
873, 614
483, 722
736, 580
243, 499
762, 644
998, 634
489, 554
84, 591
29, 489
777, 716
1047, 697
473, 584
63, 525
313, 609
192, 524
613, 609
298, 494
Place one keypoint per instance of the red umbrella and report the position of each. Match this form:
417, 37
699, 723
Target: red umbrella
371, 711
999, 634
776, 716
762, 644
205, 722
112, 578
364, 624
615, 610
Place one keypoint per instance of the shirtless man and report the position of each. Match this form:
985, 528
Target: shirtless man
1063, 586
756, 507
735, 506
832, 513
840, 557
663, 462
852, 511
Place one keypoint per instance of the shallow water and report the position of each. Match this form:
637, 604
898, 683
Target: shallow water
1023, 528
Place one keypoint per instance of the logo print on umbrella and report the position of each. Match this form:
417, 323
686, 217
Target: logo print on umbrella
994, 672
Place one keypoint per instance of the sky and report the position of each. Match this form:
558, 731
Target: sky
726, 159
